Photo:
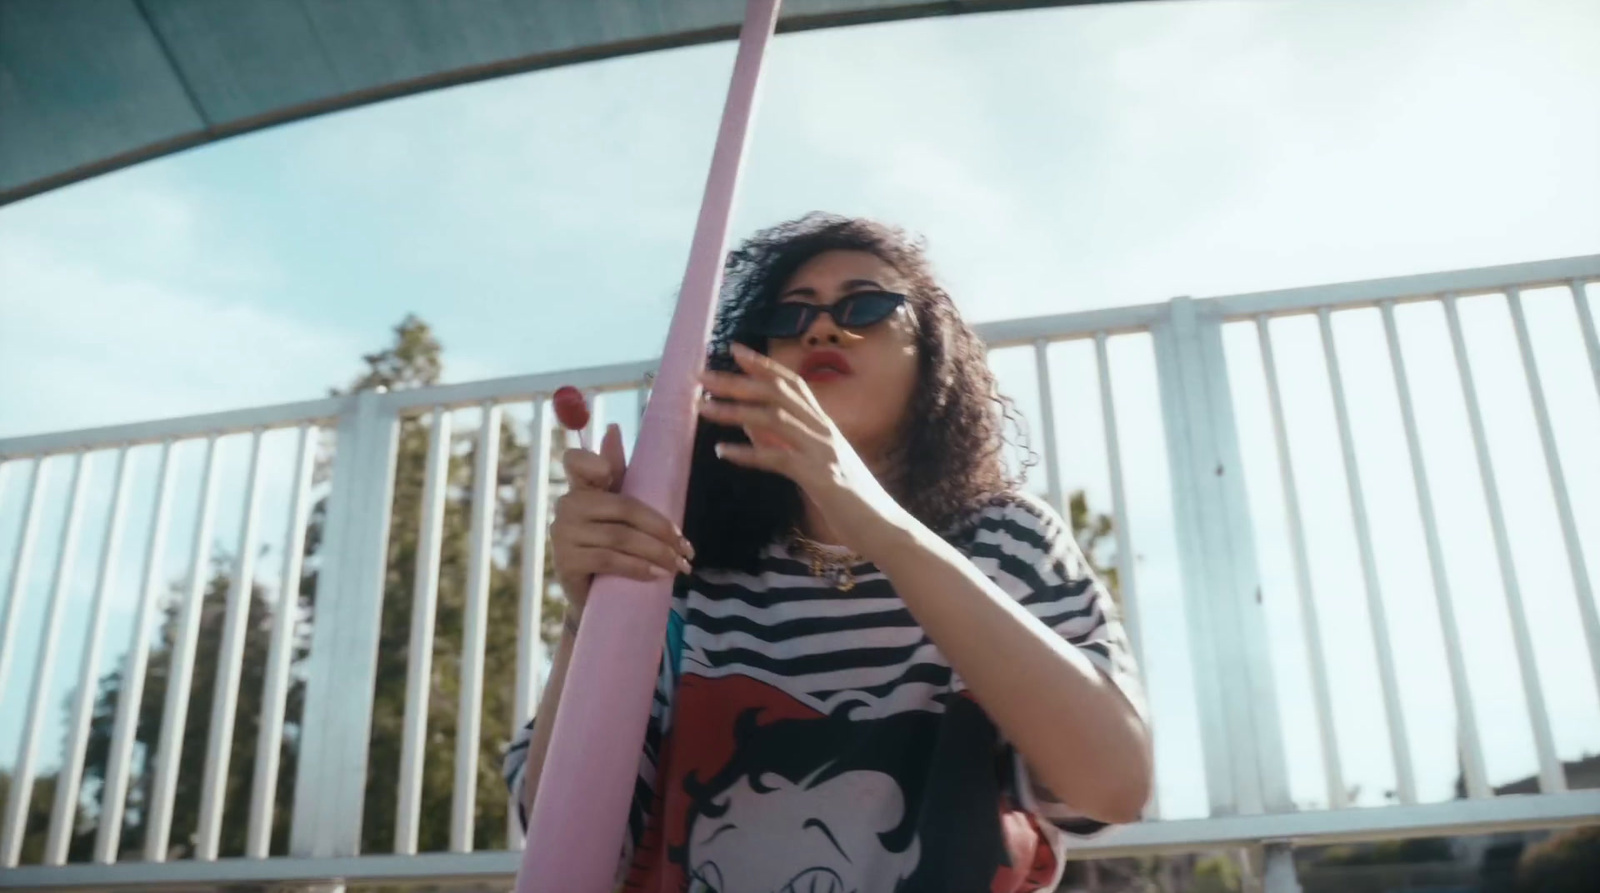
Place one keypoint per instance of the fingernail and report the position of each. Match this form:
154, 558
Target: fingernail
685, 566
686, 547
721, 450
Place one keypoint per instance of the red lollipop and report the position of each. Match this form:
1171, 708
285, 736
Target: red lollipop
572, 410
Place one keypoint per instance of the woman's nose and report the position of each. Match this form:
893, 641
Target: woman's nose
823, 330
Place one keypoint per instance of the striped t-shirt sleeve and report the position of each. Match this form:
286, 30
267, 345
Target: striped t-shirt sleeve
513, 768
1028, 551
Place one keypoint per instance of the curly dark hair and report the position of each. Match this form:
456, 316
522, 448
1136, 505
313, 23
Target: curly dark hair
949, 461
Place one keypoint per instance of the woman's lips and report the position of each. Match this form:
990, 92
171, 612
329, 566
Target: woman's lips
824, 365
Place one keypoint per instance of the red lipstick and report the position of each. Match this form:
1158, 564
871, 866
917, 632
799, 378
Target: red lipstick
824, 365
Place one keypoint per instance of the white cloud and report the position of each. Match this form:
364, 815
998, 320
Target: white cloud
122, 313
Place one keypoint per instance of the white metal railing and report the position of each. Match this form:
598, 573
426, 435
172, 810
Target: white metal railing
1241, 737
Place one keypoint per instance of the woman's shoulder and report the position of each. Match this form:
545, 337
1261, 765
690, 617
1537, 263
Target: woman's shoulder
1014, 514
1019, 536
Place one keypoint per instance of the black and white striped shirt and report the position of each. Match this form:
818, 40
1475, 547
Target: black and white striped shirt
804, 737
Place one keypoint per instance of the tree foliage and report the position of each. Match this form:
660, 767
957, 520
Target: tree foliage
412, 359
1568, 862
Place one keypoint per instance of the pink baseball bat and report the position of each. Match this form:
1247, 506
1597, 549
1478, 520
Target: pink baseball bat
575, 834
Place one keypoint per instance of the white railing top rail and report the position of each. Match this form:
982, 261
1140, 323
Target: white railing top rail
1404, 289
613, 377
1307, 299
230, 421
998, 334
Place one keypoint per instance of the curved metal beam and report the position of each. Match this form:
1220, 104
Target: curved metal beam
160, 72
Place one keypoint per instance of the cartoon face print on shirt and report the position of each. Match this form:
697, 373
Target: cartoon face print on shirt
808, 805
823, 836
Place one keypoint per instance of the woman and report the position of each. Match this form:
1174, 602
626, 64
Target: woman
885, 668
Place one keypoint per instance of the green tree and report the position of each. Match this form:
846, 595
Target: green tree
241, 766
1095, 533
1566, 863
38, 813
413, 360
1216, 874
186, 801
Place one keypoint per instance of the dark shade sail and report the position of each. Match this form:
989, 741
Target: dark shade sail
89, 86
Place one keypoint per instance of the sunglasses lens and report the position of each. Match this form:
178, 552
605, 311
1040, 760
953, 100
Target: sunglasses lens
790, 319
865, 309
787, 320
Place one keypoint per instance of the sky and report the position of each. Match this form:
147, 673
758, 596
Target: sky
1055, 160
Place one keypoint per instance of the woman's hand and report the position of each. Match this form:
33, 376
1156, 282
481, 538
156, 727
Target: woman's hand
792, 436
597, 530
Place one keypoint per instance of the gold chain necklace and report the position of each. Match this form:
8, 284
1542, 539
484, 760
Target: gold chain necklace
827, 564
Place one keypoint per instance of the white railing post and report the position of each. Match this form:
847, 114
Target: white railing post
1239, 729
64, 813
1581, 587
1278, 870
1047, 420
21, 562
475, 630
535, 529
1474, 775
1311, 628
424, 610
114, 793
13, 827
230, 667
180, 672
1552, 779
285, 619
1591, 341
332, 775
1126, 582
597, 418
1377, 615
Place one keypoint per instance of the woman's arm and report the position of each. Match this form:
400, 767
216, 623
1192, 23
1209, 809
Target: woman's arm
1082, 738
1078, 733
544, 720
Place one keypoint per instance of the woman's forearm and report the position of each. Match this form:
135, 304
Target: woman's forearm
544, 721
1077, 732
